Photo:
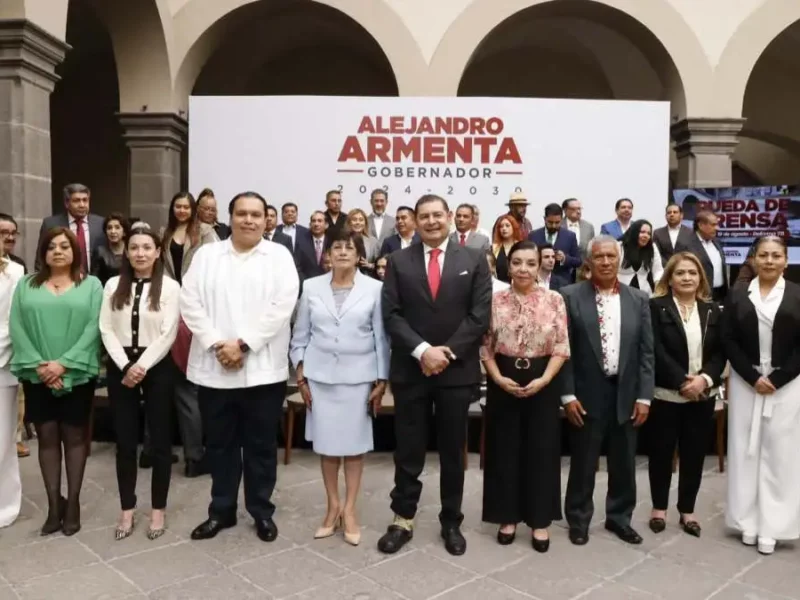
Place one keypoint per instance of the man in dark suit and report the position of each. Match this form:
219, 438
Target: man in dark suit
334, 216
436, 303
405, 225
8, 234
547, 262
705, 245
87, 227
272, 234
563, 241
673, 234
310, 250
381, 225
608, 385
290, 227
583, 230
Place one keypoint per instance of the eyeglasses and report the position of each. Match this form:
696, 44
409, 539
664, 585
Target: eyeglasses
8, 234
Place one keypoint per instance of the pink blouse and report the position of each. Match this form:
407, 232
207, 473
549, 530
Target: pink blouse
529, 326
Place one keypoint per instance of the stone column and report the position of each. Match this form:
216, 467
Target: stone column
704, 148
28, 58
156, 141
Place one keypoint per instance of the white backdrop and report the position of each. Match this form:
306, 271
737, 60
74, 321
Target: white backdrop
297, 148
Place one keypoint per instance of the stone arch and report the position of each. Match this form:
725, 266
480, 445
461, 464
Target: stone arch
743, 50
200, 26
673, 45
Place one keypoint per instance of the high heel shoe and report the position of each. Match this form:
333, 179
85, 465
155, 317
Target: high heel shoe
71, 527
55, 522
351, 538
691, 527
540, 545
506, 539
120, 533
326, 532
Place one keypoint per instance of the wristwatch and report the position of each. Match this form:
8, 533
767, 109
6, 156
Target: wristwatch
243, 347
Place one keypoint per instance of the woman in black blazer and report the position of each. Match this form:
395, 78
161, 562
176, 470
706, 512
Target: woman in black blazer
689, 363
761, 328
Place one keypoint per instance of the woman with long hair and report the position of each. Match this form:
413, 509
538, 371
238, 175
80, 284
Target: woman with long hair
357, 223
183, 235
138, 324
761, 332
640, 261
505, 233
523, 352
689, 362
107, 258
10, 488
56, 341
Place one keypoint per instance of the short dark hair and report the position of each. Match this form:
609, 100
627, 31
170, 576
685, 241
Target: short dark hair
673, 203
75, 188
288, 205
565, 203
330, 193
345, 235
378, 191
543, 247
406, 208
769, 238
552, 210
465, 205
702, 216
620, 201
269, 208
520, 246
232, 203
9, 218
428, 199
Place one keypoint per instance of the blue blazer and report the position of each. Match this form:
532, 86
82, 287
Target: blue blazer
567, 243
347, 347
612, 228
393, 243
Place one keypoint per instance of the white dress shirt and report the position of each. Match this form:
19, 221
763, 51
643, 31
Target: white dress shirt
291, 231
149, 334
420, 350
544, 283
228, 295
9, 278
575, 227
377, 221
716, 261
405, 243
673, 235
73, 227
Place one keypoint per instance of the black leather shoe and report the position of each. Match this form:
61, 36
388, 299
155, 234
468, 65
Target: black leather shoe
506, 539
145, 462
266, 530
691, 527
624, 532
394, 539
196, 468
579, 537
657, 525
210, 528
454, 542
540, 545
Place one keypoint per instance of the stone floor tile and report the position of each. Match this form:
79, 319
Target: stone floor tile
417, 575
220, 585
680, 581
775, 574
103, 543
354, 558
483, 589
549, 576
739, 591
240, 544
350, 587
484, 554
713, 557
58, 553
290, 572
6, 593
84, 583
163, 566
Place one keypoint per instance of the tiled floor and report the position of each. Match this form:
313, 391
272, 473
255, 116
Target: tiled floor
235, 565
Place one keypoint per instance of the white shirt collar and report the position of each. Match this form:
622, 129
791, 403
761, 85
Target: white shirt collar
289, 227
754, 287
442, 247
676, 228
262, 247
704, 241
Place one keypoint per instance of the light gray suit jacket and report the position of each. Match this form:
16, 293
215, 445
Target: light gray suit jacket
341, 347
474, 240
387, 228
587, 233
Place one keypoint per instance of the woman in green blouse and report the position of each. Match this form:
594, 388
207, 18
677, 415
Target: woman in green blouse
55, 337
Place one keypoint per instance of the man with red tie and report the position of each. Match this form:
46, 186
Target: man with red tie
88, 228
464, 235
436, 303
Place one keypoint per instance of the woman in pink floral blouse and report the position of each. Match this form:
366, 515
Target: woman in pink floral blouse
523, 352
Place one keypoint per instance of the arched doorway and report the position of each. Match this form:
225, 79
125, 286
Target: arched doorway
87, 144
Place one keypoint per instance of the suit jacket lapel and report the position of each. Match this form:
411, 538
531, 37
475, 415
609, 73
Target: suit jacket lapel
628, 312
450, 268
588, 308
418, 260
667, 303
359, 289
327, 296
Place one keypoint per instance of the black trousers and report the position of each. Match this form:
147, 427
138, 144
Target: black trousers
586, 444
241, 428
156, 391
412, 411
687, 426
522, 476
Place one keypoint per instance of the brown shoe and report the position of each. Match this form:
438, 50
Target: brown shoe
22, 450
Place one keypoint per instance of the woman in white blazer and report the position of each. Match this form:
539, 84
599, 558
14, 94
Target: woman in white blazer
341, 354
640, 262
10, 487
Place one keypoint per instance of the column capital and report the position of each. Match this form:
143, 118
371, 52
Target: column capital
29, 53
706, 136
154, 130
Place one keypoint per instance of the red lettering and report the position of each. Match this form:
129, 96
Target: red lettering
396, 125
508, 152
351, 150
425, 126
406, 148
433, 150
476, 126
366, 126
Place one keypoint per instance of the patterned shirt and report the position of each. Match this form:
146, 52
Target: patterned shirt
530, 326
609, 318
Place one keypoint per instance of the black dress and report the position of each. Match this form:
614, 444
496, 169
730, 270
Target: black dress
501, 266
105, 264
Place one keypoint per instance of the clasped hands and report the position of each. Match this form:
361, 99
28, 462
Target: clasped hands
229, 354
133, 376
435, 360
50, 373
694, 387
522, 391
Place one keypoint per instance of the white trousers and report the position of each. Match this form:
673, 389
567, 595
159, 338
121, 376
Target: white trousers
10, 487
763, 472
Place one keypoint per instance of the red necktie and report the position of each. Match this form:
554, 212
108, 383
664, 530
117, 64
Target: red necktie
463, 241
82, 244
434, 274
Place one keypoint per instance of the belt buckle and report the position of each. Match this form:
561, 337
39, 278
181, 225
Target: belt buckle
522, 364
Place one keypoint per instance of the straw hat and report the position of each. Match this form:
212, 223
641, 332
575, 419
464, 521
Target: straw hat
518, 199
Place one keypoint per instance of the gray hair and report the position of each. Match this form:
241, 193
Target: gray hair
75, 188
602, 239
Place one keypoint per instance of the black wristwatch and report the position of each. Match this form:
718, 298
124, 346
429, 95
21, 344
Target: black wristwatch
243, 347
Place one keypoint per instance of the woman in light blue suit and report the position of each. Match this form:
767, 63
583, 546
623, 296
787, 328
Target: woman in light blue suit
341, 354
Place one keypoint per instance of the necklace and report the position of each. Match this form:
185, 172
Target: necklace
686, 310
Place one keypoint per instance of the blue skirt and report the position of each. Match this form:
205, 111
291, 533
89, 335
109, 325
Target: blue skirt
339, 423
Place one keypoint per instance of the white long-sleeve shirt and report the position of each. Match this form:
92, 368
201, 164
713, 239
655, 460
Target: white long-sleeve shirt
227, 296
9, 279
149, 334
